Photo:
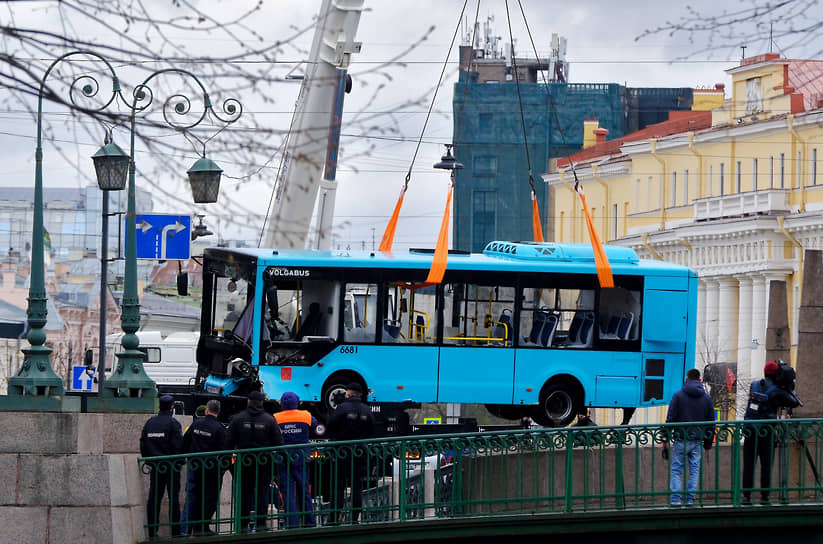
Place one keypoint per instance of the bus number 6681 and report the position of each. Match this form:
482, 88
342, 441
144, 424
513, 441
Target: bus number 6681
348, 349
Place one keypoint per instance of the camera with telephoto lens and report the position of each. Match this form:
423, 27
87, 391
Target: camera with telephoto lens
784, 378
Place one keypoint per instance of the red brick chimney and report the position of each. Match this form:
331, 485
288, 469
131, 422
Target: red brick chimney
600, 135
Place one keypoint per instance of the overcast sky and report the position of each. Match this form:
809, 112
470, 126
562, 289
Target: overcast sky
601, 48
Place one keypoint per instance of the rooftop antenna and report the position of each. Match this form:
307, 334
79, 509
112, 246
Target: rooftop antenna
771, 38
743, 47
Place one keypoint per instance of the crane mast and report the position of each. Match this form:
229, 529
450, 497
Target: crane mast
307, 174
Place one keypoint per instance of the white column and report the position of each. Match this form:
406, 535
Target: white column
727, 316
710, 324
744, 312
760, 311
744, 339
700, 348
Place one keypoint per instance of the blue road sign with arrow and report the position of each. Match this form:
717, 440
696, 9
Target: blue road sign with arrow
81, 379
163, 236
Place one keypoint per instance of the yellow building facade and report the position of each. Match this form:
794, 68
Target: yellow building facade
735, 193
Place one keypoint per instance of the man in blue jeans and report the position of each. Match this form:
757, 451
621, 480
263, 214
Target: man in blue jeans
690, 404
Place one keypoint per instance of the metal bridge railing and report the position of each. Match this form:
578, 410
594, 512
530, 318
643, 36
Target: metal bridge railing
560, 471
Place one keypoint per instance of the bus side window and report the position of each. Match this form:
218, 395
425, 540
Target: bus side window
360, 313
478, 315
619, 313
409, 315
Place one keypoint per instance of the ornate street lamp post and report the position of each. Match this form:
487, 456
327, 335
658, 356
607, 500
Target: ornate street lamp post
36, 377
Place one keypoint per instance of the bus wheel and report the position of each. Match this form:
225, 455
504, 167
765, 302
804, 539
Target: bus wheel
558, 406
335, 390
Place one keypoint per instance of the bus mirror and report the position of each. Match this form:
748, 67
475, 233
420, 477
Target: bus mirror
88, 358
183, 283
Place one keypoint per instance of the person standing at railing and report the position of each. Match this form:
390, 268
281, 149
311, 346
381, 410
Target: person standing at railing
690, 404
352, 420
254, 428
766, 397
205, 434
296, 426
162, 435
186, 513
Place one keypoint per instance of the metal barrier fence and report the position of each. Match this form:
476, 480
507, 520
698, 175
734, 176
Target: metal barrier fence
568, 470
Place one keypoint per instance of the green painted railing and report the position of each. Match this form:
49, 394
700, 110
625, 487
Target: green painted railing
486, 474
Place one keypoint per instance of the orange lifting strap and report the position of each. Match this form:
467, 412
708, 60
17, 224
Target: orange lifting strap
601, 262
388, 236
441, 251
537, 228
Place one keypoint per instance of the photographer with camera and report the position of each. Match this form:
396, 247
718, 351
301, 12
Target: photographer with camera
774, 392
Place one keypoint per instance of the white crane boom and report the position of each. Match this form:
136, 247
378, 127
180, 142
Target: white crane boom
307, 174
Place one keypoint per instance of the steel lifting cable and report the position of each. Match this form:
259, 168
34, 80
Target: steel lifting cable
604, 270
537, 228
388, 235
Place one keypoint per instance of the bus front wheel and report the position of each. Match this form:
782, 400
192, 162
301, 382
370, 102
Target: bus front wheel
334, 391
558, 405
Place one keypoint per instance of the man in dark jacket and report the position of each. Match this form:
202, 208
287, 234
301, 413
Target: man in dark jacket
254, 428
765, 399
296, 426
162, 436
690, 404
352, 420
205, 434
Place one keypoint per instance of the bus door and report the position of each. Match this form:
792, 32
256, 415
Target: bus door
477, 354
665, 326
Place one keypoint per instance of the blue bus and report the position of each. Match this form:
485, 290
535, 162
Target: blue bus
522, 327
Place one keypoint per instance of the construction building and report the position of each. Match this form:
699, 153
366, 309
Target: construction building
492, 198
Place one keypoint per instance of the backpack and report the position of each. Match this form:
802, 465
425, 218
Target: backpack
759, 406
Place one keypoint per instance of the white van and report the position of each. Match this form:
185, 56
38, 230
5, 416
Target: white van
170, 360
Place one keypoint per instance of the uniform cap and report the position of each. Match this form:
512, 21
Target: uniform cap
257, 395
289, 400
770, 368
166, 402
354, 386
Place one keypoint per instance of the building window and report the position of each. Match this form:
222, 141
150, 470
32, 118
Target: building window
614, 221
754, 174
685, 186
814, 166
485, 165
722, 178
739, 182
799, 169
711, 181
483, 218
771, 172
753, 96
782, 170
674, 189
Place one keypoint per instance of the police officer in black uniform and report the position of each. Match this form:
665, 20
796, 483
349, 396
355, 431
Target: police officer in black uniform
254, 428
352, 420
205, 434
766, 397
162, 435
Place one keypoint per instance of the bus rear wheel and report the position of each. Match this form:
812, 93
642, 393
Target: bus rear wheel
558, 406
